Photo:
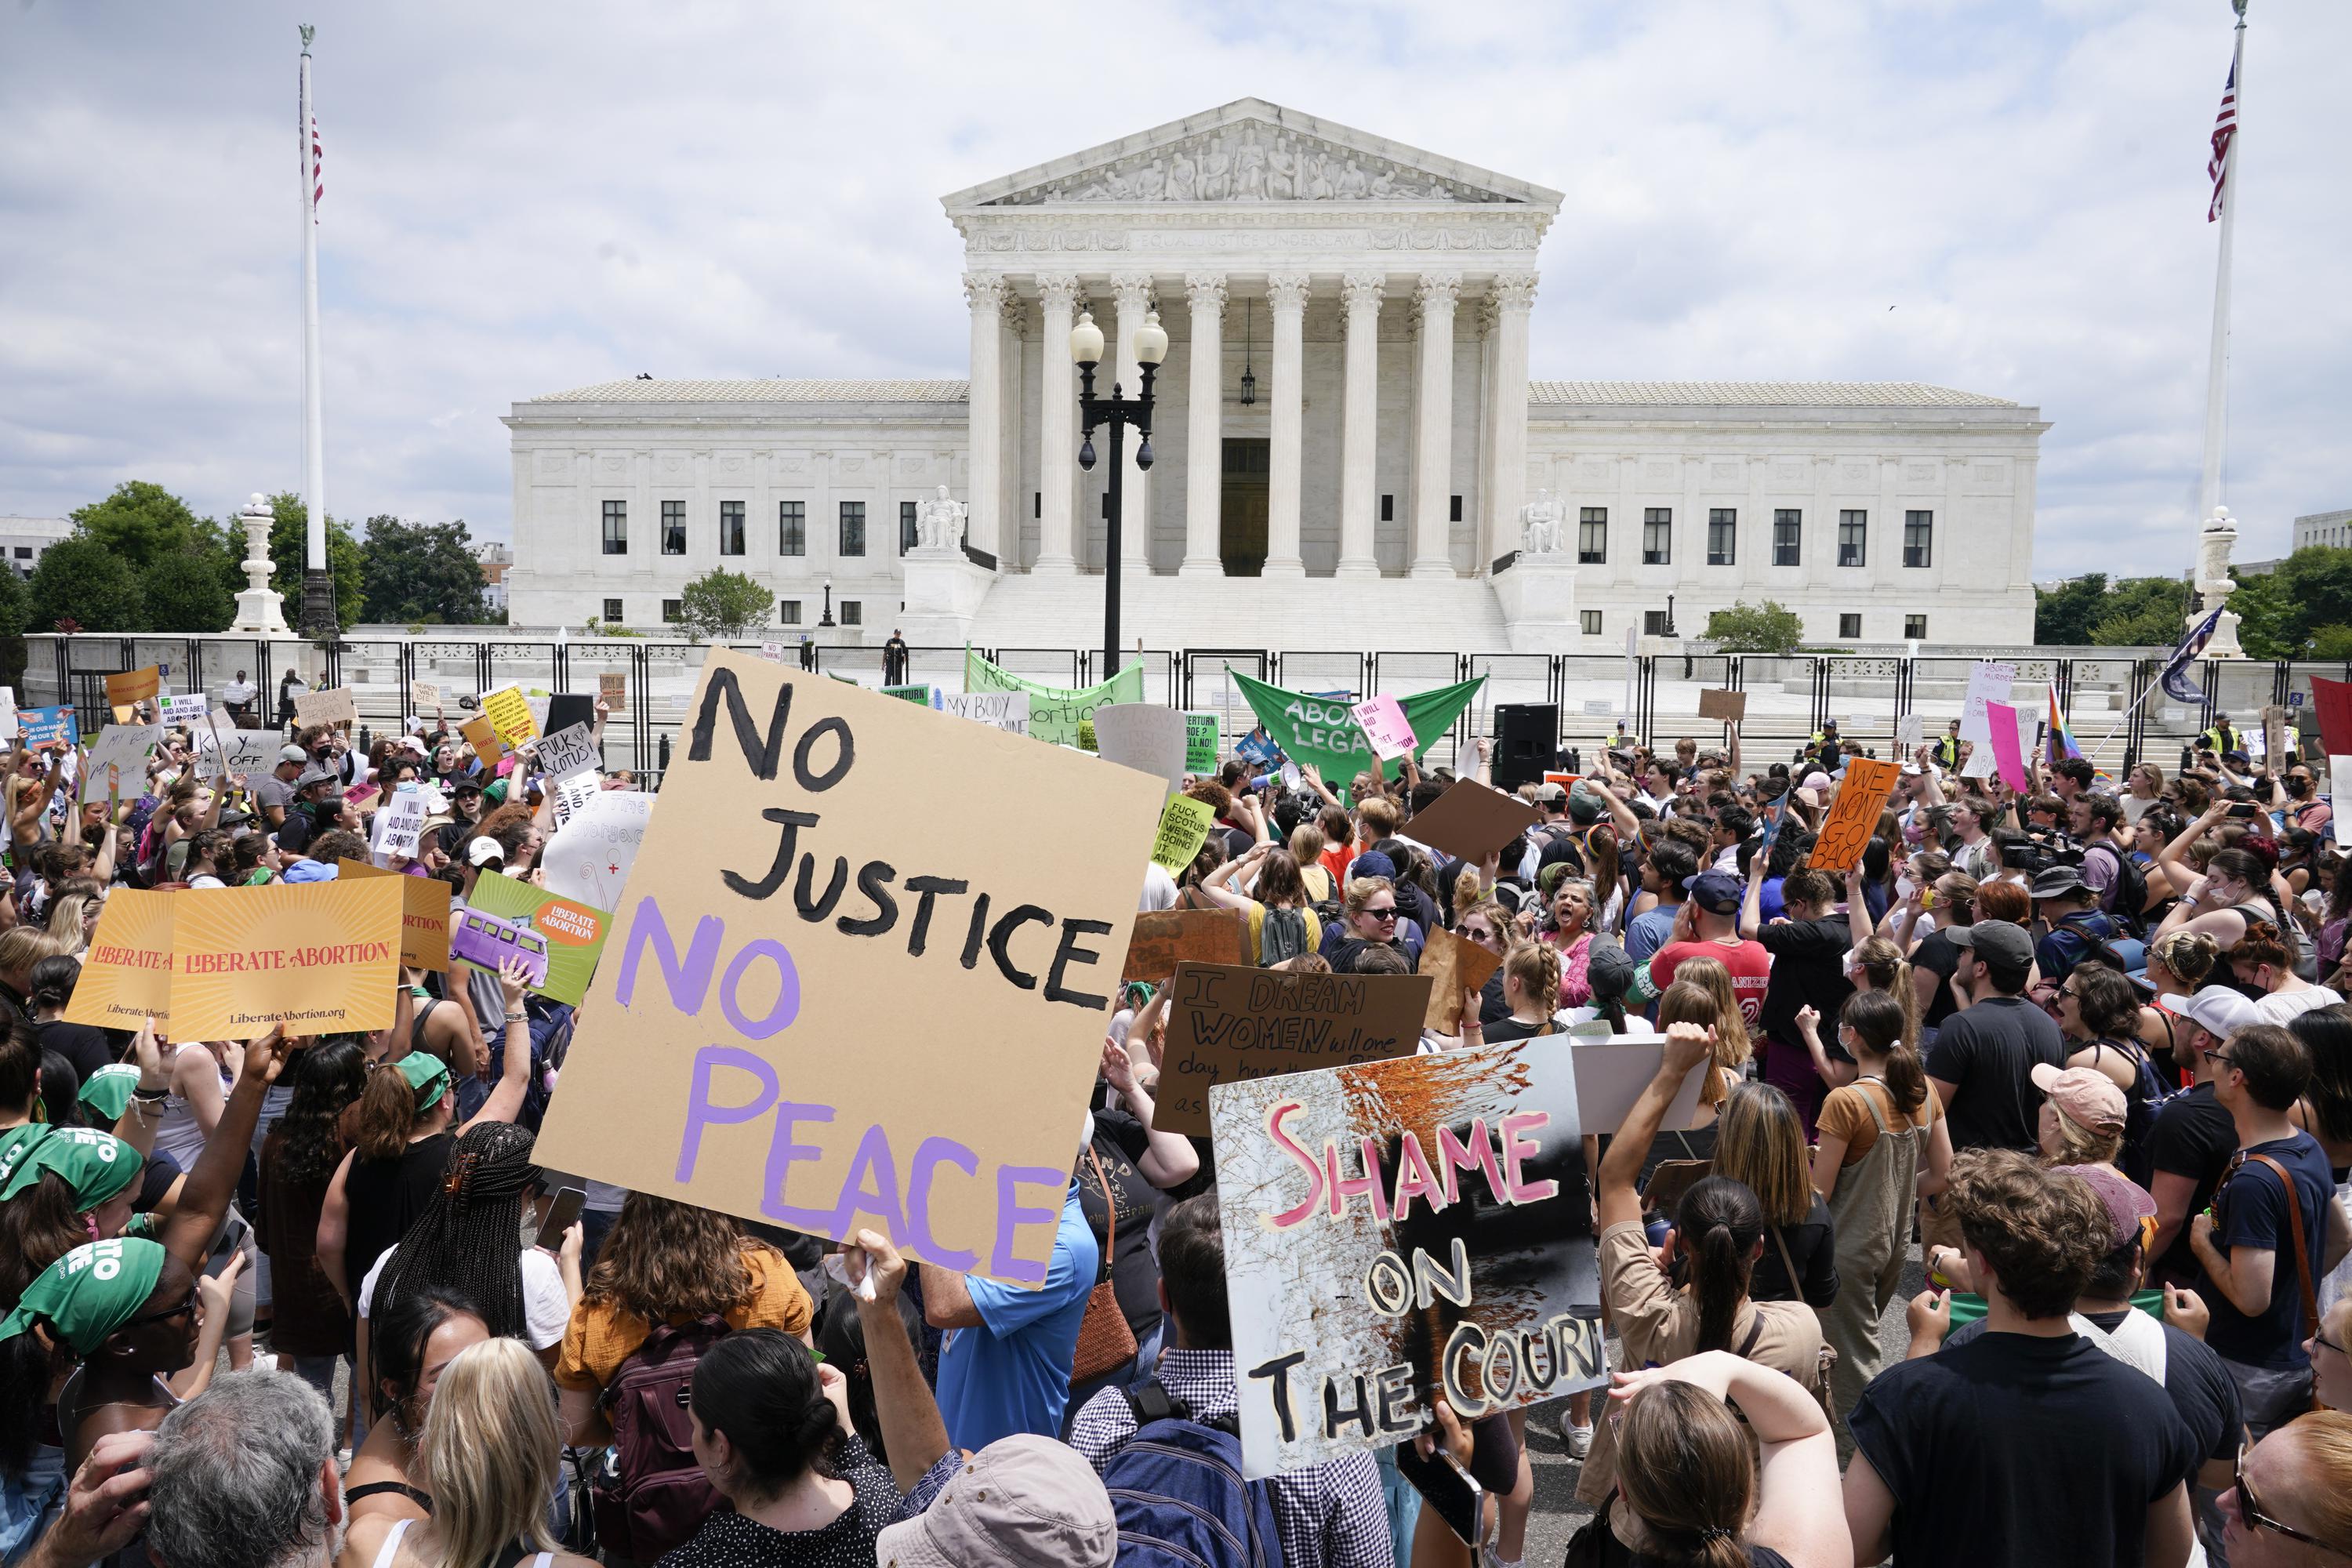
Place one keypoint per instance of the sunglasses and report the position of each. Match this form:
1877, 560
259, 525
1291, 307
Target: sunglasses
2252, 1512
1387, 914
184, 1308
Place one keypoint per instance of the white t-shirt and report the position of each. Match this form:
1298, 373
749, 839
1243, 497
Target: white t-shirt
546, 1306
2282, 1006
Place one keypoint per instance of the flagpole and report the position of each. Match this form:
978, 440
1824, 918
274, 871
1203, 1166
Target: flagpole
318, 587
2217, 371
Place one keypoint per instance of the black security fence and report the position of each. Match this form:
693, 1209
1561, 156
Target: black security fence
2112, 703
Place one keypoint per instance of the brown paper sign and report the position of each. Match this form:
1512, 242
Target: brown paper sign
782, 888
1163, 941
423, 914
1454, 965
1472, 821
424, 694
333, 706
1845, 832
1228, 1023
134, 686
2274, 739
1727, 706
126, 976
318, 957
612, 686
484, 738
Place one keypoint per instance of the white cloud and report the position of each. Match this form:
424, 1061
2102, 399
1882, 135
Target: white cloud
532, 197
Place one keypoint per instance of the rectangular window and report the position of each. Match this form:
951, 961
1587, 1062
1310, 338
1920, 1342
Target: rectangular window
730, 527
1653, 623
1918, 538
1722, 536
673, 528
906, 527
788, 611
613, 611
1853, 528
1592, 536
792, 527
1388, 509
616, 528
1788, 530
673, 611
1850, 626
852, 614
23, 553
1590, 620
853, 527
1914, 626
1454, 512
1036, 503
1658, 536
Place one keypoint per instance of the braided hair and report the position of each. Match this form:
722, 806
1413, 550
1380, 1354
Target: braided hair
468, 1237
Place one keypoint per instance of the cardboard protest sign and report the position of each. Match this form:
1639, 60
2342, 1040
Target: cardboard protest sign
1227, 1023
318, 957
509, 715
126, 976
1398, 1228
1006, 711
134, 686
1727, 706
2275, 734
1454, 965
491, 941
782, 888
588, 858
1144, 737
423, 914
333, 706
1203, 742
1055, 711
247, 752
919, 694
572, 792
572, 932
124, 746
1911, 732
424, 694
1860, 797
612, 690
1386, 727
1171, 937
568, 751
1184, 824
484, 737
1472, 821
49, 726
1565, 781
1988, 681
186, 711
399, 823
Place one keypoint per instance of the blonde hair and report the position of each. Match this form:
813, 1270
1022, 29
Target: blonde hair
1379, 817
2081, 1145
1732, 1047
1760, 1141
21, 947
1360, 892
1883, 964
489, 1450
66, 922
2325, 1439
1306, 843
1536, 966
2188, 956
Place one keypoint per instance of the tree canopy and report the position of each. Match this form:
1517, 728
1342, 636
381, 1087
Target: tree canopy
420, 571
83, 581
1768, 628
290, 548
721, 603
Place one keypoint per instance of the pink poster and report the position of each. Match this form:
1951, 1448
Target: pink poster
2006, 755
1385, 725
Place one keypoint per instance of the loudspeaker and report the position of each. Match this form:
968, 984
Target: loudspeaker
1527, 735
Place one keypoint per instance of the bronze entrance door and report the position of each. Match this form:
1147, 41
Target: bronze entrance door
1241, 512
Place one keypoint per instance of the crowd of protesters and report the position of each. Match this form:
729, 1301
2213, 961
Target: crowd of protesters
307, 1300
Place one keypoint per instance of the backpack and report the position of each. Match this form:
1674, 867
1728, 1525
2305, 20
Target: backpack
1281, 934
2128, 894
1178, 1494
654, 1495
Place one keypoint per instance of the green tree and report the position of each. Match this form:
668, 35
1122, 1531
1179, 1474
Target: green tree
290, 548
2331, 643
183, 593
12, 609
140, 522
420, 571
2064, 616
1768, 628
2142, 612
2270, 625
81, 580
721, 603
2317, 582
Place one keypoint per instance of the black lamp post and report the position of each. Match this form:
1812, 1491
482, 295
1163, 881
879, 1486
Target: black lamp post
1118, 412
828, 604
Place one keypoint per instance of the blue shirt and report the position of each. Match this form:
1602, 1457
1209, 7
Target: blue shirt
1646, 933
2251, 1210
1013, 1374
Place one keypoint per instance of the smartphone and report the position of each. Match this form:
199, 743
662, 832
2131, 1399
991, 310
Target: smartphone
561, 1216
2242, 809
1445, 1487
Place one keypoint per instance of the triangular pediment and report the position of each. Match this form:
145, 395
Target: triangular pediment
1251, 151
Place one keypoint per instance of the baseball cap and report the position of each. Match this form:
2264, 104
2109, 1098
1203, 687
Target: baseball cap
1996, 942
2130, 1204
1022, 1500
1718, 892
1583, 807
1371, 863
292, 755
310, 777
2090, 1098
1610, 970
464, 786
2056, 881
483, 851
1551, 793
1815, 781
2220, 1011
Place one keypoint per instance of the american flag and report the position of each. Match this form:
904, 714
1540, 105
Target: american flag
319, 164
2225, 131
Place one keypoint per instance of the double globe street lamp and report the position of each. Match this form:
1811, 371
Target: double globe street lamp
1151, 346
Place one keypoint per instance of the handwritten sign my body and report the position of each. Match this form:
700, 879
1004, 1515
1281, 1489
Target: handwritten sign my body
1227, 1024
1386, 727
1006, 711
1860, 797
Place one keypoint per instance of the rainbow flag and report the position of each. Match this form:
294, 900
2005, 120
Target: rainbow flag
2061, 739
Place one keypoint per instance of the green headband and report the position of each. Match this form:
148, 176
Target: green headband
107, 1092
16, 1140
428, 1074
97, 1165
89, 1292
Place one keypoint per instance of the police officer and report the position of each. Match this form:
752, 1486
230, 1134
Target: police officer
1948, 749
2224, 738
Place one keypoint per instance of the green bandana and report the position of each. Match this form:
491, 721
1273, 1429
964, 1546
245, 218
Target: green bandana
16, 1140
428, 1074
107, 1092
89, 1292
96, 1165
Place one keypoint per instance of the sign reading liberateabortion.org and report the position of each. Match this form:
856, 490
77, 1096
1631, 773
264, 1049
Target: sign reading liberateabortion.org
783, 887
126, 976
318, 957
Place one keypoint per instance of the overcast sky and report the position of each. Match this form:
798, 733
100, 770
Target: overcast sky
1995, 194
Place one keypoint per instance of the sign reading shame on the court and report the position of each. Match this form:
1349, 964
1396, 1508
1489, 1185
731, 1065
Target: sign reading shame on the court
1229, 1021
783, 887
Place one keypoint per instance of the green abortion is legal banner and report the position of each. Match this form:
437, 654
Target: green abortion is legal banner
1323, 729
1054, 711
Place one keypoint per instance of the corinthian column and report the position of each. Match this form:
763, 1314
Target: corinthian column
1359, 431
1133, 293
1203, 427
1286, 295
1432, 456
1057, 427
984, 293
1507, 417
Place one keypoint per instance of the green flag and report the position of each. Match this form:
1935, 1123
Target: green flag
1054, 711
1322, 730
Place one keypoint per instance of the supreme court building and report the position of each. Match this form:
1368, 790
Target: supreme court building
1347, 443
